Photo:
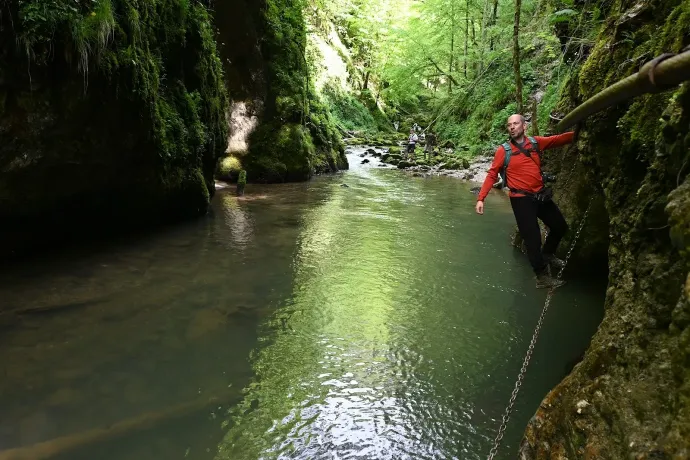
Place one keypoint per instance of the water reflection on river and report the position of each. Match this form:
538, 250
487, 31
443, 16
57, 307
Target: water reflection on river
379, 320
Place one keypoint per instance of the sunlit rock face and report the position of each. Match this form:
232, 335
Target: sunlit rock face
278, 127
242, 121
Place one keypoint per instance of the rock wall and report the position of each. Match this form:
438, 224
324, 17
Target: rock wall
286, 131
112, 114
630, 395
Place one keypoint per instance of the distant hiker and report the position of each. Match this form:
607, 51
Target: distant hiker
430, 144
412, 142
528, 196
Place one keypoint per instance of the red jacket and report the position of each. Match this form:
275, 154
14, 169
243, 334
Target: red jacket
523, 172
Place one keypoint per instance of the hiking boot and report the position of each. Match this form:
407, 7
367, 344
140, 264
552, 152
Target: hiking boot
545, 281
554, 261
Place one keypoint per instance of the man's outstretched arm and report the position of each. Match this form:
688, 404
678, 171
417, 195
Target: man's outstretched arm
491, 177
551, 142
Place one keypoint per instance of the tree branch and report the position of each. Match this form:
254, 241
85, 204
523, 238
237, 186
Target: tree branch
443, 73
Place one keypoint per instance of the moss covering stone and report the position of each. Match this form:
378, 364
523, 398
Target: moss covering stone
630, 395
113, 112
297, 136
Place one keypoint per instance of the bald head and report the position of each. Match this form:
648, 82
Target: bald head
516, 127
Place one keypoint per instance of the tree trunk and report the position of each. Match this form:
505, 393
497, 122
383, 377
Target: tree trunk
475, 65
452, 46
516, 56
535, 120
366, 80
493, 23
467, 34
482, 35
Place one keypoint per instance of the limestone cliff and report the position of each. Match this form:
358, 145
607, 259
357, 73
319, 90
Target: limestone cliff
630, 395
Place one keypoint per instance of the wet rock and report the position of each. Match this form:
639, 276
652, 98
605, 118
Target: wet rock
371, 152
581, 406
345, 185
365, 161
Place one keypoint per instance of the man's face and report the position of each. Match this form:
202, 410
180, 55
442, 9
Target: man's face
516, 127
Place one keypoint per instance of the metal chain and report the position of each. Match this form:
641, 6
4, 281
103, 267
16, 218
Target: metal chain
530, 349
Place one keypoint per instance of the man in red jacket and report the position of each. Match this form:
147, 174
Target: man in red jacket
524, 179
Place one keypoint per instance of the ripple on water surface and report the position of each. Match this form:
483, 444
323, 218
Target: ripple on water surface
383, 320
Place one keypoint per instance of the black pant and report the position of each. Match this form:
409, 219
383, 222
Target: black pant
526, 211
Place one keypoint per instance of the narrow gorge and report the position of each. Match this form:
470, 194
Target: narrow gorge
126, 125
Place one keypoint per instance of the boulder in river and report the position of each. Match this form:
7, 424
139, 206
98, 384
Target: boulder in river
371, 151
364, 161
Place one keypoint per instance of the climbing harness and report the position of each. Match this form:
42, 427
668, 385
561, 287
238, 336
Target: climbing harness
659, 74
535, 335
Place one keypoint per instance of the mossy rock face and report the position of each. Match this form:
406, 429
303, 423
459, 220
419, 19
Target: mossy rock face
229, 168
465, 163
105, 134
632, 383
283, 154
297, 136
451, 164
406, 164
354, 141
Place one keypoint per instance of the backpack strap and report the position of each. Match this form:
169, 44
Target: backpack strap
535, 145
508, 153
